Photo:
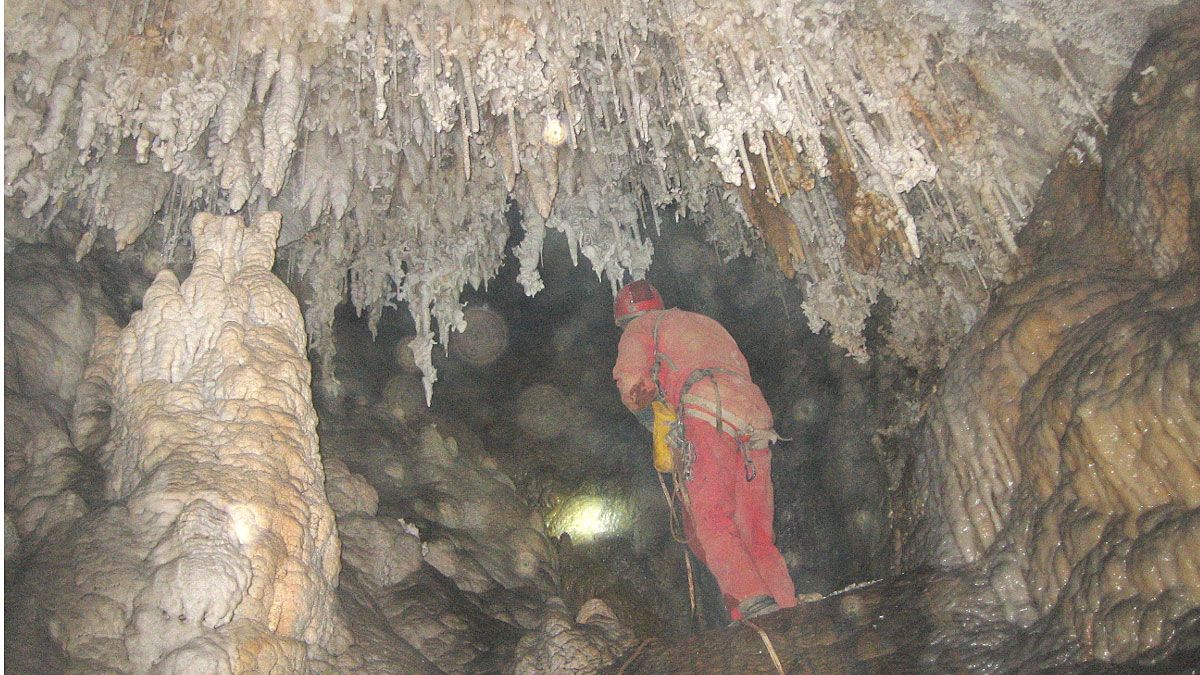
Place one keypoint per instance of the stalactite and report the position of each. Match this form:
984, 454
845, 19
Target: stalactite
644, 83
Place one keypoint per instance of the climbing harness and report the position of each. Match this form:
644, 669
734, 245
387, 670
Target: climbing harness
672, 425
741, 432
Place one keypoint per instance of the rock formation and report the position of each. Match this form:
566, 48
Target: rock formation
217, 551
1013, 474
875, 147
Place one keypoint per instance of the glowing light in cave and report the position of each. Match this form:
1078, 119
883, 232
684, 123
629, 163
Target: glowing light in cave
587, 518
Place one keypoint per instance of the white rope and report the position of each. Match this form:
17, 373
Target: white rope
770, 647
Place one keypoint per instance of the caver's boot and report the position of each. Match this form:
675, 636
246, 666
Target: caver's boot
757, 606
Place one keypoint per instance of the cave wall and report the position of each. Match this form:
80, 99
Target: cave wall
50, 324
1072, 466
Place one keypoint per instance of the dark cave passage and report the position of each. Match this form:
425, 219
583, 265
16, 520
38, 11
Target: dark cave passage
530, 386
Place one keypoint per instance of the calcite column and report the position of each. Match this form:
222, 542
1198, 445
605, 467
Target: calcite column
214, 451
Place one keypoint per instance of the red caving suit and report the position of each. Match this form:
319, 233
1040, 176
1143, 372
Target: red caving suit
729, 526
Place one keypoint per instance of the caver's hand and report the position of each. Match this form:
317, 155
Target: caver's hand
643, 394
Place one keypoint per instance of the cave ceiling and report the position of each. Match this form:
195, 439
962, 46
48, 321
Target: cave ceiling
868, 147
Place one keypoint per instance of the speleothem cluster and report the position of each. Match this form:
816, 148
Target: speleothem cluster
875, 147
211, 543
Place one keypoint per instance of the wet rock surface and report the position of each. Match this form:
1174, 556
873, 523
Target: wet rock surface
592, 640
453, 562
1073, 485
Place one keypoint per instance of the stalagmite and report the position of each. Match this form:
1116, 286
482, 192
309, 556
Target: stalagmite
221, 550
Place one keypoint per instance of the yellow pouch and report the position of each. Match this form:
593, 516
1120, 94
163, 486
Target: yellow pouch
663, 417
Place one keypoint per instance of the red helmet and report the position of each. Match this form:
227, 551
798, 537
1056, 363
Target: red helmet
635, 299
